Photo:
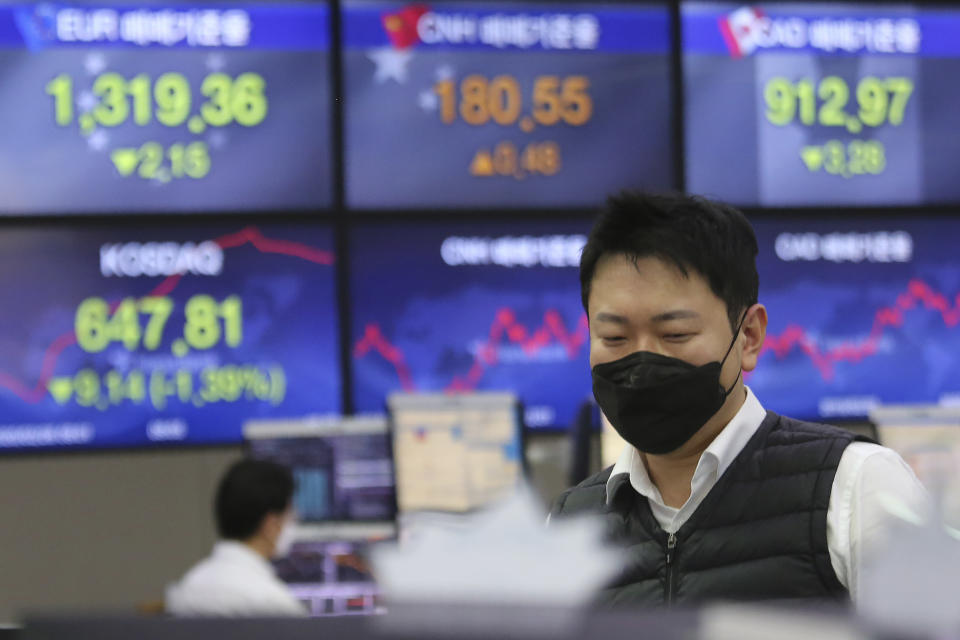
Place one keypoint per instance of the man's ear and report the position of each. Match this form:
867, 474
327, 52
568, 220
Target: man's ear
270, 526
754, 332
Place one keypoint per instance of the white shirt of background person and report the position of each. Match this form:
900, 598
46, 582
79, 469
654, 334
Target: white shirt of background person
237, 579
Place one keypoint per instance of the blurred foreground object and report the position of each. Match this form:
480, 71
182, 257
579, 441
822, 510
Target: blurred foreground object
910, 586
503, 561
928, 439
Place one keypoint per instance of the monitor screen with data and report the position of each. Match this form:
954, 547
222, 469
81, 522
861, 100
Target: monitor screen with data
171, 107
129, 335
504, 104
488, 306
820, 103
863, 312
455, 453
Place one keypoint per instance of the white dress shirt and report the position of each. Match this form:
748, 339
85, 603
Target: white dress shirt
868, 477
234, 580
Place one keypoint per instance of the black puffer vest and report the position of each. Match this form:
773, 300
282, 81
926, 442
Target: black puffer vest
761, 532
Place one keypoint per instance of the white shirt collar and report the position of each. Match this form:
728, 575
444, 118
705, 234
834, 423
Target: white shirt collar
713, 463
235, 552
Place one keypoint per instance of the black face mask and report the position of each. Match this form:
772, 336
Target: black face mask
657, 403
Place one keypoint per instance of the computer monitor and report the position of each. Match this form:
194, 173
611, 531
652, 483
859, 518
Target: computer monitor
455, 453
924, 435
331, 577
345, 500
342, 466
928, 438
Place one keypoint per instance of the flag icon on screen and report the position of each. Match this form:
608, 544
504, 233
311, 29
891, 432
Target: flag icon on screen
37, 25
401, 25
741, 30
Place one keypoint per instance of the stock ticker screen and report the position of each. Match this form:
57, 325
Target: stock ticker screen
464, 307
504, 104
128, 336
822, 104
164, 108
861, 313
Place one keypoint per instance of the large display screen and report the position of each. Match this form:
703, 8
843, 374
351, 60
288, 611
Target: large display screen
125, 336
504, 104
463, 307
821, 103
862, 312
131, 108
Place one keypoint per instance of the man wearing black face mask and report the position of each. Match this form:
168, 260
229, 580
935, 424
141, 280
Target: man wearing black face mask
714, 497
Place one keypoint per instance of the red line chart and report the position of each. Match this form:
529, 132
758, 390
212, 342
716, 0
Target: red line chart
917, 295
505, 328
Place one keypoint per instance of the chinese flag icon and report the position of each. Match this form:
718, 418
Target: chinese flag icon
402, 25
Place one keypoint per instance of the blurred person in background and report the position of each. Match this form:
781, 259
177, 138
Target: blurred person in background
255, 517
715, 497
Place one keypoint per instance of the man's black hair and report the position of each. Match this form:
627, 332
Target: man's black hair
249, 491
692, 233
